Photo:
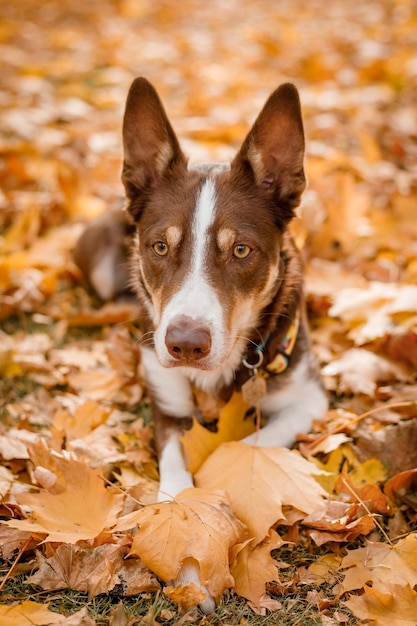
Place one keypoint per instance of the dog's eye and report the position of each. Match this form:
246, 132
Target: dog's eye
161, 248
241, 251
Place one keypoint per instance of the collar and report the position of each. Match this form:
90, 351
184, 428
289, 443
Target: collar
283, 353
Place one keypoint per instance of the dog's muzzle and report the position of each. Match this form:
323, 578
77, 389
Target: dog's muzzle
188, 341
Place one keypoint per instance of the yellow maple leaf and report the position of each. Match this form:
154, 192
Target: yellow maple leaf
199, 442
30, 613
260, 481
86, 417
81, 510
398, 608
382, 564
198, 524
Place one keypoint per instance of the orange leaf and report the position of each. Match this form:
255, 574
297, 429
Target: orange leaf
259, 481
382, 564
28, 613
198, 524
81, 511
255, 567
398, 608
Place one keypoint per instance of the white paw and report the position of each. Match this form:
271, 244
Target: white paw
190, 573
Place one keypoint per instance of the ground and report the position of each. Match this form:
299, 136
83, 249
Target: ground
76, 441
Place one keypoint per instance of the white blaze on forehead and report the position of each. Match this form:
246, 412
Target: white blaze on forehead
196, 298
203, 218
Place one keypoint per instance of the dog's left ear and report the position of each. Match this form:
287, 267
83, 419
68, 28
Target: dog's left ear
274, 150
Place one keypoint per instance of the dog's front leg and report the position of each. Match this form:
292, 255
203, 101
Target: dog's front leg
174, 477
291, 410
173, 473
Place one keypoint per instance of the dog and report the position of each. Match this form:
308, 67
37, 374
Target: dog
218, 276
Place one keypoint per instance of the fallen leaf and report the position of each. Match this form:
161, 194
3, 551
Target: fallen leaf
255, 567
382, 565
198, 524
30, 613
85, 419
259, 481
95, 570
82, 510
360, 371
398, 608
402, 488
199, 442
338, 521
110, 313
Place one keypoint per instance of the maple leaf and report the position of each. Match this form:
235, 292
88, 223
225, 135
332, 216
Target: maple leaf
402, 488
86, 417
259, 481
398, 608
382, 564
95, 570
30, 613
360, 371
81, 510
254, 567
338, 521
199, 442
198, 524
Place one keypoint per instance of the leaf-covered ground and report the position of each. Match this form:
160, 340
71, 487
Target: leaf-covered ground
77, 466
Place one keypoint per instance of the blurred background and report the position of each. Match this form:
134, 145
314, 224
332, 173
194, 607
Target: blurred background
67, 66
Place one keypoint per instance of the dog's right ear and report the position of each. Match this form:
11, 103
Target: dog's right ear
150, 145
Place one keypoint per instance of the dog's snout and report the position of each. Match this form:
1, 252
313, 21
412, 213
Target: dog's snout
187, 340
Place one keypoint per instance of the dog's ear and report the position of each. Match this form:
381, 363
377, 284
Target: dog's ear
151, 148
274, 150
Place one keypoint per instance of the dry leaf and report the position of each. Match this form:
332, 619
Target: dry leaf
255, 567
360, 371
28, 613
199, 442
338, 521
95, 570
198, 524
398, 608
82, 510
382, 565
259, 481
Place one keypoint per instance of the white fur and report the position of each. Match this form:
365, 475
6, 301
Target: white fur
174, 475
291, 410
190, 573
170, 387
103, 276
196, 298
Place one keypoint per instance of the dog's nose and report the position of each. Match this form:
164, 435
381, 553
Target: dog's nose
187, 341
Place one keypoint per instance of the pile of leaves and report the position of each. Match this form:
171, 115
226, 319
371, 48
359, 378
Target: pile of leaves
325, 533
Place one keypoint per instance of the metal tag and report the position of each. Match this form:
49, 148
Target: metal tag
253, 390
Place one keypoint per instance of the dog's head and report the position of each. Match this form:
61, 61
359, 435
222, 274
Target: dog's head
209, 237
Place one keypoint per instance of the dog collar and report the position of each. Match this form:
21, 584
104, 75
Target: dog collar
282, 356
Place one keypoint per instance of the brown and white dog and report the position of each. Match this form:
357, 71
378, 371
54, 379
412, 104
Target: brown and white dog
218, 275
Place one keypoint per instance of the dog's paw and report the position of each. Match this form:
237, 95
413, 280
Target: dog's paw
190, 573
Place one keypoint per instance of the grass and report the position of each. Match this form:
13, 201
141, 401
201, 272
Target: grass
299, 605
302, 605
